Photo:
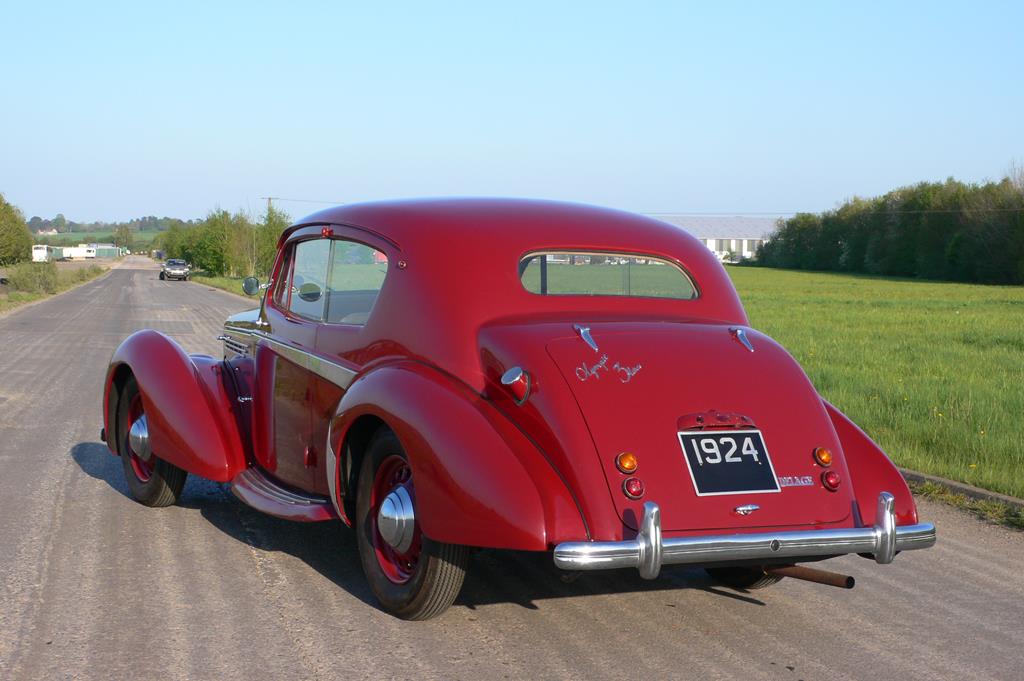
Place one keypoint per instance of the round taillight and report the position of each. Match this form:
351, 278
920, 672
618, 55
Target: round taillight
831, 480
823, 457
517, 382
633, 487
627, 462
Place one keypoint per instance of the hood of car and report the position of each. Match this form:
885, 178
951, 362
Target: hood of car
721, 421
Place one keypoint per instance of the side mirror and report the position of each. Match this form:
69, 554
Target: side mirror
251, 286
310, 292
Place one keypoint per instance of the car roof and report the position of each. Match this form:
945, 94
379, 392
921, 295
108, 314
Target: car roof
487, 237
500, 224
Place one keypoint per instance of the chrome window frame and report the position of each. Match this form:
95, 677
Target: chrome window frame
618, 254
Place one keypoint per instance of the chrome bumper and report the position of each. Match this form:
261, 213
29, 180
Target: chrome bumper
648, 551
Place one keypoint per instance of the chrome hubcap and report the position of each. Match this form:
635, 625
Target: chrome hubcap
396, 519
138, 438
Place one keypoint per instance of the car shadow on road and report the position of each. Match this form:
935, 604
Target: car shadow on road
495, 576
526, 578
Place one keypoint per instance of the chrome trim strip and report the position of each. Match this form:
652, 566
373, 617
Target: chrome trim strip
337, 374
332, 470
254, 488
648, 552
326, 369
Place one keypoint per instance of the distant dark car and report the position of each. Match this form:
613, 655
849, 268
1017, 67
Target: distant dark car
442, 375
175, 269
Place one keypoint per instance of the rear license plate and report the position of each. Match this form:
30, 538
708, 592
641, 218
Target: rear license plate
728, 462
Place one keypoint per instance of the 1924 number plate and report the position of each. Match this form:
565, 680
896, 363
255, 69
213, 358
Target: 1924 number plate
728, 462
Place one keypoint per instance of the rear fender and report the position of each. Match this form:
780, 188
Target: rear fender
871, 472
191, 415
479, 481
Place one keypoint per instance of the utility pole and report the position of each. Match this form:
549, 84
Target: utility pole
255, 255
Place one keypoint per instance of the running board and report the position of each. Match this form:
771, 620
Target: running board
256, 489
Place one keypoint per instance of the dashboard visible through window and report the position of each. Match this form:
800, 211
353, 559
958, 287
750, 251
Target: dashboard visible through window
331, 280
309, 278
568, 273
357, 275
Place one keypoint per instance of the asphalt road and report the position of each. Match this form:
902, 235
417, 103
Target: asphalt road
95, 586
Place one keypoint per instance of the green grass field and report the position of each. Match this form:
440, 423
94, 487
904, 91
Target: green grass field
229, 284
140, 240
934, 372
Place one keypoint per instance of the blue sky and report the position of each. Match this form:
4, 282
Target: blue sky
115, 110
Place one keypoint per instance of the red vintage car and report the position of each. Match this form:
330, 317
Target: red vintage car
528, 375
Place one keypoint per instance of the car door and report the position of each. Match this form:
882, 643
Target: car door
356, 277
295, 310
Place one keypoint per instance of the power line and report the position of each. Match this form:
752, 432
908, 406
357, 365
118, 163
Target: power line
818, 212
762, 213
281, 198
723, 213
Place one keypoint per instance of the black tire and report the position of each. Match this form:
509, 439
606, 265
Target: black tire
162, 276
440, 569
165, 480
743, 578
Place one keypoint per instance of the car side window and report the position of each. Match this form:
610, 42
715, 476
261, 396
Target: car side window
306, 292
356, 276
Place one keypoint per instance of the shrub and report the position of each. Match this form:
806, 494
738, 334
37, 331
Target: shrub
33, 277
80, 275
15, 239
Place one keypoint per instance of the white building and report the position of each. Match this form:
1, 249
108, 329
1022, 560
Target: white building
731, 238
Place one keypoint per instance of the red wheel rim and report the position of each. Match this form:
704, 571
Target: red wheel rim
398, 567
143, 469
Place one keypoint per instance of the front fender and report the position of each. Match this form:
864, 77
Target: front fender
192, 422
871, 471
479, 481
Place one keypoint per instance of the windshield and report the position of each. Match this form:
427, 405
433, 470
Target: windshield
604, 274
176, 263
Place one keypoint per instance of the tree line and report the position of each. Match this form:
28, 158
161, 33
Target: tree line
942, 230
62, 225
222, 243
226, 243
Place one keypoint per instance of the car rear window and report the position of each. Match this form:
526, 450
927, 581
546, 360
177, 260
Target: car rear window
567, 273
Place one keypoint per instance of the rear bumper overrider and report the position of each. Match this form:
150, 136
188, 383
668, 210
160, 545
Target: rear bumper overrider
648, 551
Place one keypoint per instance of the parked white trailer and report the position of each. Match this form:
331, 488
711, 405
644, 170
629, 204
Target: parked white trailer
79, 251
44, 253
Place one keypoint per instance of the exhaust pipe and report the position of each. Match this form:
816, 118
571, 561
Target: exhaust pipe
813, 575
